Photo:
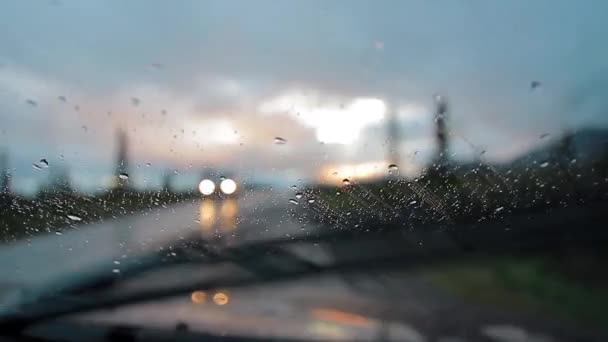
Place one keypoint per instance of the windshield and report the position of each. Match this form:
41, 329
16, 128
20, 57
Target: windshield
138, 133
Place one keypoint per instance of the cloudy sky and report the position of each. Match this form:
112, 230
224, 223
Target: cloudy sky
212, 83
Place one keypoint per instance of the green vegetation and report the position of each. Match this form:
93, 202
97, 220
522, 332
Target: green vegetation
537, 285
55, 211
467, 193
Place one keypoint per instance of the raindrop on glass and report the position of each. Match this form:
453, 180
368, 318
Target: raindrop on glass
123, 176
115, 270
545, 135
293, 201
58, 233
74, 218
545, 164
298, 195
36, 167
62, 98
44, 163
31, 102
413, 202
279, 141
346, 181
311, 200
135, 101
393, 168
294, 187
499, 209
534, 84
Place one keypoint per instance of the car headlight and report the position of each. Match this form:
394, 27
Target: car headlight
206, 187
228, 186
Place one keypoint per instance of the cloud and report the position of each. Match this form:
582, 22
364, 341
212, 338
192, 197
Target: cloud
201, 71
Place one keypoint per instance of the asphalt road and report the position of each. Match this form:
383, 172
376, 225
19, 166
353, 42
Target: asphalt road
253, 216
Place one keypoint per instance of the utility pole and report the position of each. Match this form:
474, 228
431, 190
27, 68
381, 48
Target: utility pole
167, 177
441, 134
5, 177
122, 161
393, 137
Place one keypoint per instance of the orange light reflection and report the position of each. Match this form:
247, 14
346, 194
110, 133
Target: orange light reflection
207, 216
340, 317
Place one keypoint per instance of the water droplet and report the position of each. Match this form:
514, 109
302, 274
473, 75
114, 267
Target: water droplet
311, 200
413, 202
499, 209
123, 176
62, 98
416, 153
294, 187
44, 163
535, 84
346, 181
298, 195
148, 164
544, 164
545, 135
573, 161
31, 102
157, 65
393, 168
36, 167
116, 262
74, 218
58, 233
280, 141
293, 201
135, 101
115, 270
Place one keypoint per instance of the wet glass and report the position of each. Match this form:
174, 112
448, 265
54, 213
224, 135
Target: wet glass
452, 154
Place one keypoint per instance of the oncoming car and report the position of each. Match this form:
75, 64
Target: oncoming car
223, 187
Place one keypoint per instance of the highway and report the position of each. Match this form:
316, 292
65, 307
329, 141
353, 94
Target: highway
253, 216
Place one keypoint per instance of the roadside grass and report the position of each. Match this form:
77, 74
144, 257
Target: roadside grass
529, 284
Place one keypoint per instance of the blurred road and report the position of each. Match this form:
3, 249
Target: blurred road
255, 215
